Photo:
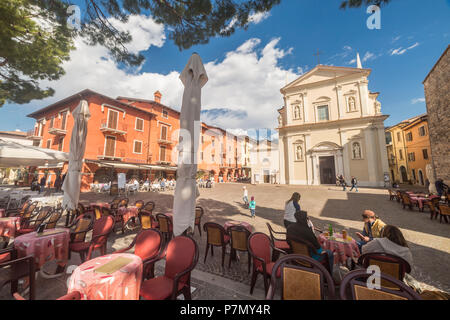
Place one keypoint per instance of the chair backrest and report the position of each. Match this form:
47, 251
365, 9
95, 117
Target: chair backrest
81, 209
272, 232
115, 203
82, 224
149, 206
445, 210
104, 225
259, 245
300, 282
215, 233
164, 222
124, 202
406, 199
74, 295
354, 287
30, 209
239, 237
389, 264
106, 212
55, 215
114, 190
148, 243
198, 215
146, 218
181, 256
40, 217
13, 204
139, 204
25, 205
97, 211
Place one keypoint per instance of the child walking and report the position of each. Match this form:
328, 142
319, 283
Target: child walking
252, 206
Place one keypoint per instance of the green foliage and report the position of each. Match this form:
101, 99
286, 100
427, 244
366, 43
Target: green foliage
359, 3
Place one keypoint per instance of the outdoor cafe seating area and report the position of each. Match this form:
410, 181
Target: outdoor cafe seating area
423, 202
35, 234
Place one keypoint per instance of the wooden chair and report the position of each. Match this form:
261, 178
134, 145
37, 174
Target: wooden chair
102, 228
12, 207
147, 220
139, 204
32, 224
124, 202
149, 206
392, 195
354, 286
165, 226
79, 229
407, 201
13, 269
433, 205
198, 219
97, 211
444, 211
4, 202
260, 246
305, 248
391, 265
239, 242
114, 204
279, 243
149, 246
53, 219
216, 236
300, 282
399, 196
181, 258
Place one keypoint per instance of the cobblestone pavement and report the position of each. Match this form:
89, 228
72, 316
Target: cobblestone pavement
428, 239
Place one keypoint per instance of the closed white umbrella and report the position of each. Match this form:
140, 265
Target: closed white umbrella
194, 77
72, 181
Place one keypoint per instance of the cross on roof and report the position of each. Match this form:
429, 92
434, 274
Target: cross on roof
318, 55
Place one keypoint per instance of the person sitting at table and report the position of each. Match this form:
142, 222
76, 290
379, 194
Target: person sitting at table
440, 186
290, 208
373, 227
392, 242
301, 230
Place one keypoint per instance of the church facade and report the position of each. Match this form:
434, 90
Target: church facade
331, 124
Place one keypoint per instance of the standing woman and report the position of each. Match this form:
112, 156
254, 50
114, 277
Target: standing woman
291, 207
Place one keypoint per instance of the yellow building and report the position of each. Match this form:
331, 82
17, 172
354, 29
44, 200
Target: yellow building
418, 149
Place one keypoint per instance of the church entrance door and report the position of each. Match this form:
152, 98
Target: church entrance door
327, 170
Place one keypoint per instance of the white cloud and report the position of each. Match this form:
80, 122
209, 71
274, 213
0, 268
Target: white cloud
259, 17
396, 39
418, 100
353, 61
247, 81
369, 56
401, 50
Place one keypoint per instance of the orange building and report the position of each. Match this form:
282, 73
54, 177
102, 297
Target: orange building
134, 136
418, 152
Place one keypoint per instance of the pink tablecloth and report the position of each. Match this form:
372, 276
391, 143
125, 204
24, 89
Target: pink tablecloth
44, 248
342, 250
101, 204
128, 213
238, 223
9, 226
422, 200
123, 284
2, 213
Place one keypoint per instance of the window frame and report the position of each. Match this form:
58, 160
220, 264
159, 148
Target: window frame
164, 110
61, 144
328, 112
49, 145
136, 122
117, 120
161, 130
134, 146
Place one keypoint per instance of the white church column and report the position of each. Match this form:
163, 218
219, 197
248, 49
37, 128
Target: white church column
340, 162
340, 101
290, 152
316, 168
364, 96
306, 107
371, 155
383, 159
281, 152
308, 160
345, 156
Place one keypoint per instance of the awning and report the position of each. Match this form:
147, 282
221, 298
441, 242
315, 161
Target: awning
52, 166
121, 165
13, 154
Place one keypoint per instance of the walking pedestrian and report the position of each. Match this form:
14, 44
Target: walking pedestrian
354, 184
342, 181
252, 206
245, 196
290, 208
42, 184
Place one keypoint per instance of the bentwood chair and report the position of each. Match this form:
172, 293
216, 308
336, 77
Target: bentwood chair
181, 258
260, 247
199, 211
444, 211
149, 246
305, 248
53, 219
114, 204
391, 265
32, 224
216, 236
433, 204
139, 204
149, 206
392, 195
408, 202
97, 211
165, 226
354, 286
79, 229
239, 242
12, 269
147, 220
102, 228
279, 243
302, 278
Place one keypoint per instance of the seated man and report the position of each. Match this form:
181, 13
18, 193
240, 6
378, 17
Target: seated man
373, 228
302, 231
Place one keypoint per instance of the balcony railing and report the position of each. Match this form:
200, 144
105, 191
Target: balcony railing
56, 129
117, 155
121, 128
164, 141
31, 135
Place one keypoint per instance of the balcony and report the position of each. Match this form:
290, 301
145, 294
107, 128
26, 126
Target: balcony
164, 141
116, 155
161, 162
31, 135
56, 129
121, 128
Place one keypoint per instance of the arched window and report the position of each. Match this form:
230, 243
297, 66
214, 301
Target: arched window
356, 150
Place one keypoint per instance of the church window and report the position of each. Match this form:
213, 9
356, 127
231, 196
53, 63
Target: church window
356, 150
322, 113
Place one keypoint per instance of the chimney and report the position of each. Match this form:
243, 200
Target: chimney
158, 96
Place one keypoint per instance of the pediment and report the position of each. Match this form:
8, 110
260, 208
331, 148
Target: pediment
325, 146
323, 73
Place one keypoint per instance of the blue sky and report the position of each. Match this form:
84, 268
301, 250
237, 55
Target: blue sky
247, 69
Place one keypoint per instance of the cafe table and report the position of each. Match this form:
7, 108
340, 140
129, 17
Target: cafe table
101, 204
341, 248
9, 226
244, 224
128, 213
422, 200
52, 244
111, 277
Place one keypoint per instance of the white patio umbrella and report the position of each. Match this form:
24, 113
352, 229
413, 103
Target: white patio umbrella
72, 181
194, 77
